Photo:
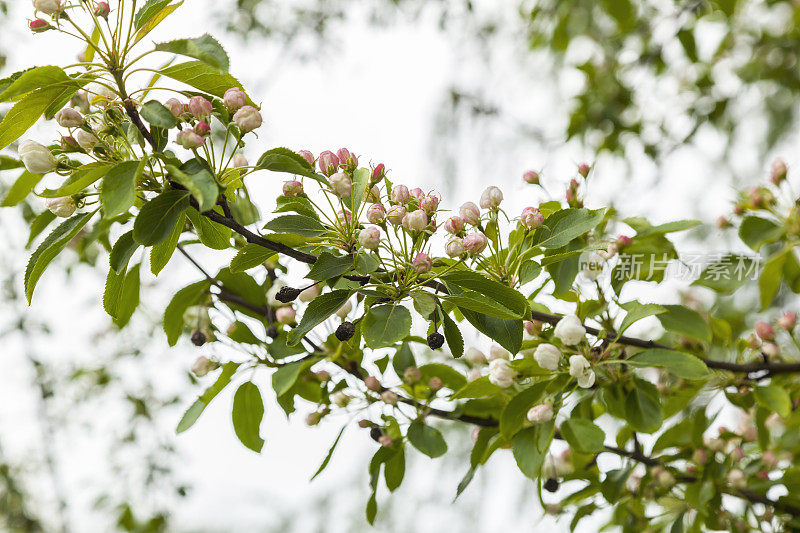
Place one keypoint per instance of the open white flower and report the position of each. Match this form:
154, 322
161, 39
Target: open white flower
570, 330
501, 373
580, 369
547, 356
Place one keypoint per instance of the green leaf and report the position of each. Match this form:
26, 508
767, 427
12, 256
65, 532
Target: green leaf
403, 358
513, 415
247, 413
681, 364
128, 298
205, 48
329, 455
285, 160
530, 448
118, 192
361, 181
201, 77
642, 408
770, 279
286, 376
250, 256
395, 469
151, 15
452, 334
157, 218
122, 251
318, 311
507, 333
684, 321
426, 439
479, 388
583, 435
161, 253
385, 325
197, 408
39, 224
51, 247
21, 188
25, 113
80, 178
201, 184
33, 79
194, 294
496, 292
727, 274
298, 224
452, 378
774, 398
329, 266
157, 115
637, 311
563, 226
756, 231
214, 235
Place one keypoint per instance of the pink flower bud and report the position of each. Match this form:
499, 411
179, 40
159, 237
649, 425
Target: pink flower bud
435, 384
385, 441
369, 237
248, 119
49, 7
69, 144
102, 10
429, 204
175, 107
764, 331
312, 419
623, 241
417, 193
341, 185
69, 118
328, 162
779, 171
533, 327
583, 169
396, 214
310, 293
532, 218
200, 108
292, 188
202, 129
189, 139
240, 161
454, 225
372, 383
539, 414
389, 397
475, 243
788, 321
400, 194
308, 156
86, 140
470, 213
39, 26
770, 349
491, 198
723, 222
416, 221
234, 99
344, 216
373, 195
422, 263
378, 173
769, 459
285, 315
376, 214
531, 177
700, 456
347, 160
454, 247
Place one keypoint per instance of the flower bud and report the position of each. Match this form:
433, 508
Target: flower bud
473, 374
538, 414
475, 357
778, 171
496, 352
175, 107
475, 243
415, 221
273, 291
373, 195
531, 177
580, 369
63, 207
454, 225
700, 456
202, 129
533, 327
309, 293
454, 247
200, 108
347, 160
470, 213
292, 188
429, 204
345, 331
39, 26
770, 349
369, 237
364, 423
412, 375
570, 330
378, 173
240, 161
435, 340
736, 479
389, 397
664, 477
102, 10
312, 419
234, 99
715, 445
583, 169
189, 139
36, 157
202, 366
385, 441
345, 310
328, 162
422, 263
376, 214
491, 198
547, 356
308, 156
372, 383
248, 119
501, 373
769, 459
788, 321
340, 399
764, 331
400, 194
49, 7
623, 241
435, 384
69, 144
285, 315
532, 218
341, 185
396, 214
344, 216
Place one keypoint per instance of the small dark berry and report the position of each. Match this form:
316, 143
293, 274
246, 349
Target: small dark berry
551, 485
375, 433
435, 340
198, 338
288, 294
272, 331
345, 331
